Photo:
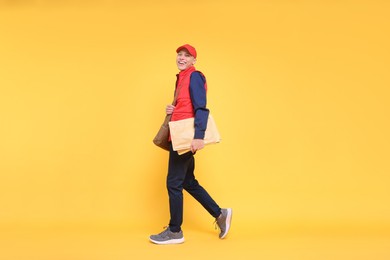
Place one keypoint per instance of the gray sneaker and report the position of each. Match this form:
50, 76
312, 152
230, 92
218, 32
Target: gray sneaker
224, 221
167, 237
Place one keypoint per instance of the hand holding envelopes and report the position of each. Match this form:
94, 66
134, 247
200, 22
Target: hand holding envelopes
182, 133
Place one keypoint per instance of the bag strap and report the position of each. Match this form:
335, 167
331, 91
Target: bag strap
168, 117
175, 98
177, 91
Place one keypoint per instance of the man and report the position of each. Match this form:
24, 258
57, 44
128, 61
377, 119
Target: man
191, 102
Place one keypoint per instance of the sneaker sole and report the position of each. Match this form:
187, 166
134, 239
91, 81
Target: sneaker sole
228, 222
168, 242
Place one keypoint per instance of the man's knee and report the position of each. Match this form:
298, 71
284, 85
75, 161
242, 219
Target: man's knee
190, 185
174, 185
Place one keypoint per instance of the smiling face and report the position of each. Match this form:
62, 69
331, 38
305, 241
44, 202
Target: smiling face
184, 60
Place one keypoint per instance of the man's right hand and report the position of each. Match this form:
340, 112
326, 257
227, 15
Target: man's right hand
169, 109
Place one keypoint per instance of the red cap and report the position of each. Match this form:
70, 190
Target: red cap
191, 50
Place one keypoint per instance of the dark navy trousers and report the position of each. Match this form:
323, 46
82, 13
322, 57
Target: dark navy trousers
181, 176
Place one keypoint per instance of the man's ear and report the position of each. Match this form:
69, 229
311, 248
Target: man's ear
193, 63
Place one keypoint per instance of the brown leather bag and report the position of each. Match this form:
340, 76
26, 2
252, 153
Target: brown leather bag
162, 137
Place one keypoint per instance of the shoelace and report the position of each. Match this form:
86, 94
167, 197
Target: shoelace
164, 231
216, 226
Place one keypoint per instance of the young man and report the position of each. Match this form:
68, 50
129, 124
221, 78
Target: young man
191, 102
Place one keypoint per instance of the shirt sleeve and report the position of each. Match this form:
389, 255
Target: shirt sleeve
198, 98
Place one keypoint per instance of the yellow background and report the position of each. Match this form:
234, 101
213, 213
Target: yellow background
299, 90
